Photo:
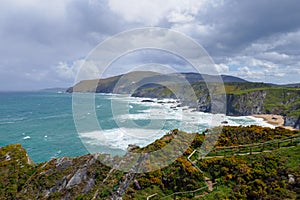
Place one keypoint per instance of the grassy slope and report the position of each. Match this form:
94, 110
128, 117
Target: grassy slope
257, 176
226, 171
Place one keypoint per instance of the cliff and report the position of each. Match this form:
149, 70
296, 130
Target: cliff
85, 177
242, 97
239, 177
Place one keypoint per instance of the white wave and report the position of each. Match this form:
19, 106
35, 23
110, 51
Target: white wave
54, 116
26, 137
121, 138
163, 111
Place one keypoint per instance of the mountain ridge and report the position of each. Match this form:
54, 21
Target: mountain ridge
102, 85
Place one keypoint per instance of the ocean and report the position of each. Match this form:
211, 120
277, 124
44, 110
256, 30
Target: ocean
43, 123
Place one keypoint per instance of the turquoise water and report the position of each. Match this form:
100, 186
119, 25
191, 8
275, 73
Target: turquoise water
43, 123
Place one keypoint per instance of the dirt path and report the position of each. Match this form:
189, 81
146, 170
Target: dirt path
237, 154
209, 184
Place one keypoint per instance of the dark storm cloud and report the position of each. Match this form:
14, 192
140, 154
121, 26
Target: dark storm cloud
267, 31
237, 24
36, 37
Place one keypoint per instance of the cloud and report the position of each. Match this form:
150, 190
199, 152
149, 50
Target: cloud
222, 68
68, 72
151, 13
43, 42
274, 56
38, 35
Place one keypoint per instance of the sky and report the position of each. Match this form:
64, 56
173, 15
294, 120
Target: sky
44, 43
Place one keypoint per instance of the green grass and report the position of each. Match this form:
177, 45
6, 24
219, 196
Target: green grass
219, 192
279, 89
260, 174
291, 156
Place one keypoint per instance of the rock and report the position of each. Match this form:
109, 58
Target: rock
7, 157
147, 101
246, 104
132, 147
292, 121
78, 177
204, 104
89, 185
63, 163
291, 179
29, 161
59, 186
137, 185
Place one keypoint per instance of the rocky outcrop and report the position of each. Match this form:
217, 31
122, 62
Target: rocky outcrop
129, 177
79, 176
238, 105
204, 104
246, 104
292, 121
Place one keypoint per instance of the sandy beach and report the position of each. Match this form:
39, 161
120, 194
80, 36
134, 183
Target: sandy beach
276, 120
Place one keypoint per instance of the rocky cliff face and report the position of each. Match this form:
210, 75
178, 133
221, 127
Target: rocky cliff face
281, 102
246, 104
238, 105
292, 121
84, 177
257, 102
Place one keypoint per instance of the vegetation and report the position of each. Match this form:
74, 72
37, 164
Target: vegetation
260, 176
266, 175
233, 136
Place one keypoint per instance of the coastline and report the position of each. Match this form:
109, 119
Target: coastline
276, 120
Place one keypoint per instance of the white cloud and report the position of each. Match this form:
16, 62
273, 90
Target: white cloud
68, 71
78, 70
255, 69
177, 17
152, 12
294, 70
261, 63
255, 74
195, 30
274, 56
222, 68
